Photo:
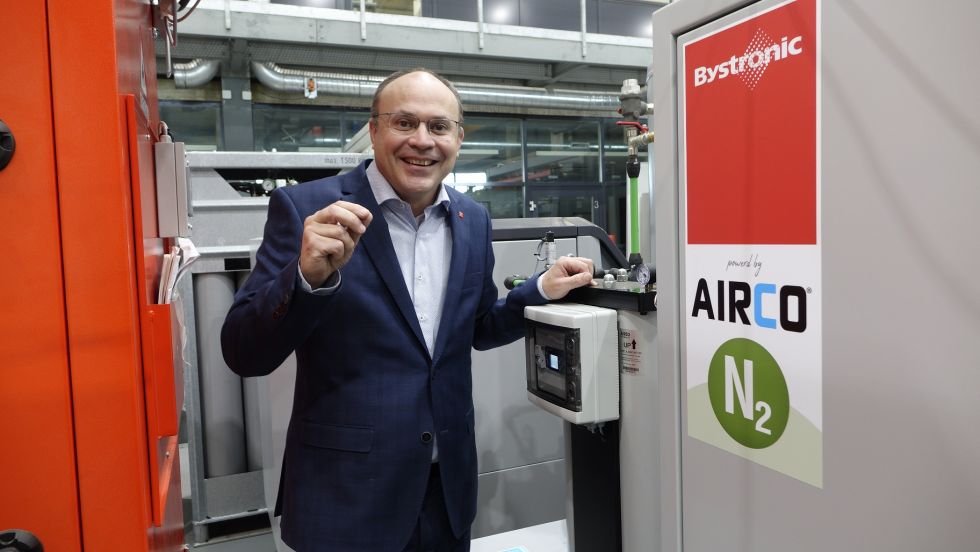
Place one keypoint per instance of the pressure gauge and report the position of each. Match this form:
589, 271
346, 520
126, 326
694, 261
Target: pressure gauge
268, 185
642, 274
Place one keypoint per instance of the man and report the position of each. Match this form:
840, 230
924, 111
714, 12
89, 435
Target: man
380, 281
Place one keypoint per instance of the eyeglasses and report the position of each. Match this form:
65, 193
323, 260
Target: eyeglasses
405, 124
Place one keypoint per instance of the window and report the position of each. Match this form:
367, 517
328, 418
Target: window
501, 201
299, 128
197, 124
562, 150
491, 152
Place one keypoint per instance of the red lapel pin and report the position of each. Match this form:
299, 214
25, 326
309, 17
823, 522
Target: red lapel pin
460, 214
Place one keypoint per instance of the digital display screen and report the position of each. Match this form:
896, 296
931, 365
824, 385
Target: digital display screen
553, 362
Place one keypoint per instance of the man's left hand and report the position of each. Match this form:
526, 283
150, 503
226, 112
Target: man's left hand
565, 275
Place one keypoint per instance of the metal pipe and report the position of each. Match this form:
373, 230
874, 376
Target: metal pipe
363, 19
195, 73
585, 40
643, 139
221, 389
359, 86
250, 404
275, 78
479, 22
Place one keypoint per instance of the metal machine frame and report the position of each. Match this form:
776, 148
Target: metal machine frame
225, 223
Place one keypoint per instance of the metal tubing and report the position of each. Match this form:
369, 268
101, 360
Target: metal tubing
363, 19
221, 389
360, 86
250, 398
196, 72
479, 22
585, 39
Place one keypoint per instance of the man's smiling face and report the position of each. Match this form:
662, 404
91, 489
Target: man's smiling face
415, 164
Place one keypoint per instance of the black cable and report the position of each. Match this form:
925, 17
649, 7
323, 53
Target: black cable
189, 12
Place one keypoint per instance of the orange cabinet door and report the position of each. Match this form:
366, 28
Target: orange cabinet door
37, 468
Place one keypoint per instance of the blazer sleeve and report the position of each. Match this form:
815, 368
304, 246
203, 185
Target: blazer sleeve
271, 314
501, 321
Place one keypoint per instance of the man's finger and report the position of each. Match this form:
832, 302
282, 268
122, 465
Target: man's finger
359, 211
347, 219
345, 213
576, 265
329, 230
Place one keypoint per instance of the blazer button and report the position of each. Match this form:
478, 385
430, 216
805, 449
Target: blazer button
426, 437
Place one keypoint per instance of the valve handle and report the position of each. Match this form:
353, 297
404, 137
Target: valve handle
639, 126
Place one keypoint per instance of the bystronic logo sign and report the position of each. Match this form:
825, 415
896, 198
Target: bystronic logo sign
749, 67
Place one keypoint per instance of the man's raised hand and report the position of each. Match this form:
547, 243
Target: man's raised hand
329, 238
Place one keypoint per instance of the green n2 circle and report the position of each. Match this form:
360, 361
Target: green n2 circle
748, 393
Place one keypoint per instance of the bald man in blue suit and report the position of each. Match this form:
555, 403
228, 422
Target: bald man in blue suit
380, 281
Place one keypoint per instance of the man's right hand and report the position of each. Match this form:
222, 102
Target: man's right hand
329, 238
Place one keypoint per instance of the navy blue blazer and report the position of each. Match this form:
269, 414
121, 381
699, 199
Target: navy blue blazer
367, 391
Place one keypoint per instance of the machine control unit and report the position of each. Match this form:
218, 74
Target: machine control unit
573, 361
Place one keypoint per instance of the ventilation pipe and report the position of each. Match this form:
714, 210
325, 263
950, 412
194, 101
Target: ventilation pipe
333, 84
195, 73
472, 94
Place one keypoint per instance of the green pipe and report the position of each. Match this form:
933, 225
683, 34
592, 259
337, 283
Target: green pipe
634, 200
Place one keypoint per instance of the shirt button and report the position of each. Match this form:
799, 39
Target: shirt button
422, 317
426, 437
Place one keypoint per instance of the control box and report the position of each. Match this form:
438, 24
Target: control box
573, 361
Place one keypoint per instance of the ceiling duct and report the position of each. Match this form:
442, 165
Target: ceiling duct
332, 84
195, 73
472, 94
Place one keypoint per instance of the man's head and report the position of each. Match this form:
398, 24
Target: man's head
416, 160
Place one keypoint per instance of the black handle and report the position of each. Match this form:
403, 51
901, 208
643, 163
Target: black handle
7, 145
18, 540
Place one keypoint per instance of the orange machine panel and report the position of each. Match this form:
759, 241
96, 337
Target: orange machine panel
104, 104
37, 466
88, 387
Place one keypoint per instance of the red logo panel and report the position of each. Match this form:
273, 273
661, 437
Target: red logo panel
750, 102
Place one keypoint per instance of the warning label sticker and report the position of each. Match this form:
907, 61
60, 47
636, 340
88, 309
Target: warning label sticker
630, 352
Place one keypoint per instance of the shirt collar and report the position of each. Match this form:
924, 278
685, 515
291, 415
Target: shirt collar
383, 192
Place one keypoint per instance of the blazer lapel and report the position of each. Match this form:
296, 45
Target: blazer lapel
376, 242
457, 265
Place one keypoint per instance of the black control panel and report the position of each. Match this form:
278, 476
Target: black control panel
556, 374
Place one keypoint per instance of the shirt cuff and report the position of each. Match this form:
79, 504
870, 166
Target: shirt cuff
328, 287
541, 288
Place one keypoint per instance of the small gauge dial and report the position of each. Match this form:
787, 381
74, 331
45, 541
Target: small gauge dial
642, 274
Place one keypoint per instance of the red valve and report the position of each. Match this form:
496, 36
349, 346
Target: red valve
639, 126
